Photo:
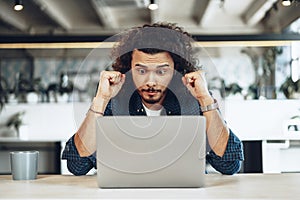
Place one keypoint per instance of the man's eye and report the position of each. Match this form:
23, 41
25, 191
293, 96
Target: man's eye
161, 72
141, 71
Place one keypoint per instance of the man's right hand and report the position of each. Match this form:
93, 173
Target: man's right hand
110, 84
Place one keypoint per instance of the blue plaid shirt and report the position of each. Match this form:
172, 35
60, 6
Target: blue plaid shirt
229, 163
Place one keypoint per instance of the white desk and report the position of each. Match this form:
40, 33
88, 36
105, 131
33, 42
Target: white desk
240, 186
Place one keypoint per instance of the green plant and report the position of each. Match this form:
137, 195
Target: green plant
233, 88
289, 87
1, 102
3, 92
16, 120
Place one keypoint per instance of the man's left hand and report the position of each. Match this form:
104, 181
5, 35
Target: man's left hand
196, 84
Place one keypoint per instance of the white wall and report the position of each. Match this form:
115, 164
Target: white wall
261, 119
48, 121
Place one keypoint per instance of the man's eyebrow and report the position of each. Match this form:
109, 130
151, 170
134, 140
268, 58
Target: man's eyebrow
158, 66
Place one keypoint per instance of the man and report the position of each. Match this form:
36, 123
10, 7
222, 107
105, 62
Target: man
154, 73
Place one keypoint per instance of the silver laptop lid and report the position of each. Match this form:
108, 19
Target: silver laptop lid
140, 151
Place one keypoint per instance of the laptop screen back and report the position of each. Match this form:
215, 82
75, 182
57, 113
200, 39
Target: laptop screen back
140, 151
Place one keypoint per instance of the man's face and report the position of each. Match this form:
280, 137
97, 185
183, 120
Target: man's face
152, 74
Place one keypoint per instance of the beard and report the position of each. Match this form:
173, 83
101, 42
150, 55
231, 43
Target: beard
152, 99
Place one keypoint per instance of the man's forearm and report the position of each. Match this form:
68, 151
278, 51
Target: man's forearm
85, 138
216, 129
217, 132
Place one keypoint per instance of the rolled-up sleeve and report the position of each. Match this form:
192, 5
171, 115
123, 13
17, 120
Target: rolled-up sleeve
230, 162
77, 165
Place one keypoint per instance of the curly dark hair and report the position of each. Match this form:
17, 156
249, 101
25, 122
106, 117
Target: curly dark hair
151, 39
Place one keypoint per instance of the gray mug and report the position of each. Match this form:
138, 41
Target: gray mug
24, 165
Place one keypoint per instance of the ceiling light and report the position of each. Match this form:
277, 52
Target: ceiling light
286, 2
152, 5
18, 5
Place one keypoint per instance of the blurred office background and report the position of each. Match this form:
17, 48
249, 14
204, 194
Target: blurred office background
51, 52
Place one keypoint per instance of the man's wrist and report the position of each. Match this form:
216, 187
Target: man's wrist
99, 104
95, 112
212, 106
206, 100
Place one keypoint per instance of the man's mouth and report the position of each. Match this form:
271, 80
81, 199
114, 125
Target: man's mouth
151, 91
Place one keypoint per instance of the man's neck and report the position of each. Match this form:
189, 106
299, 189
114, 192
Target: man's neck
156, 106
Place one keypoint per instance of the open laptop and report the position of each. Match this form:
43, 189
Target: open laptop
141, 151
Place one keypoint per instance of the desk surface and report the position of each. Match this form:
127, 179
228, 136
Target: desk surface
240, 186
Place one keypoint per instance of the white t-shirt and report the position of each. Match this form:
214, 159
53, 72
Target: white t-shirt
152, 112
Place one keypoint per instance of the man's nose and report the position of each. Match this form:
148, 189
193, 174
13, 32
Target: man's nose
151, 82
